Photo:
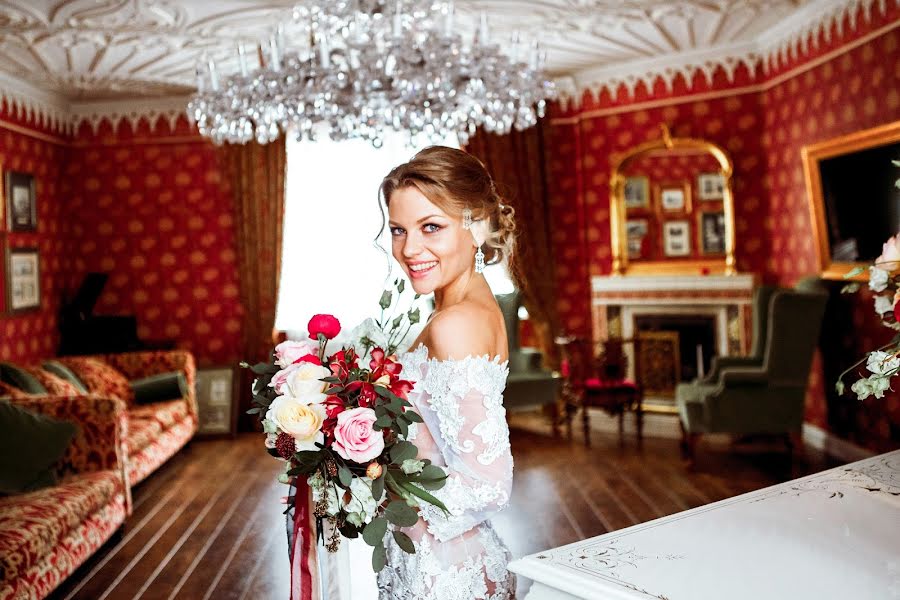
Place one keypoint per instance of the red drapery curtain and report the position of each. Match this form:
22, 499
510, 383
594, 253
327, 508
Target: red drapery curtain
517, 162
257, 179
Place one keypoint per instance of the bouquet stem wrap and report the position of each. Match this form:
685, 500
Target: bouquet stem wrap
304, 559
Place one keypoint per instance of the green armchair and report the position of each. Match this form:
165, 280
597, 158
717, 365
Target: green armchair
761, 297
529, 385
759, 398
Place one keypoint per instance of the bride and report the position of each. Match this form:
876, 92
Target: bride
446, 223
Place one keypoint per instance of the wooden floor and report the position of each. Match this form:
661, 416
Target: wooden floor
208, 524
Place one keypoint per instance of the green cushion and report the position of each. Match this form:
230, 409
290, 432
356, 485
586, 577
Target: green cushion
64, 372
158, 388
21, 379
30, 446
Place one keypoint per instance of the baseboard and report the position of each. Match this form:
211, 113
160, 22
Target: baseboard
830, 444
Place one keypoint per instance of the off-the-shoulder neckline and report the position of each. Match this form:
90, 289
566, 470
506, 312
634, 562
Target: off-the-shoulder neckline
422, 348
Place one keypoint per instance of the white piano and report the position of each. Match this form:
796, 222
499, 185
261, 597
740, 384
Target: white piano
831, 535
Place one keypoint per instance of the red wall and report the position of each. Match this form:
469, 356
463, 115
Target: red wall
152, 209
849, 82
28, 336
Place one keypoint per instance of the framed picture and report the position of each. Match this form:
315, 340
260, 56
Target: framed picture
21, 207
215, 388
712, 232
637, 192
636, 234
23, 279
674, 197
677, 238
710, 186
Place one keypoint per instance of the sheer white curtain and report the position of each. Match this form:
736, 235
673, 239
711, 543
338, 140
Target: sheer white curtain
332, 216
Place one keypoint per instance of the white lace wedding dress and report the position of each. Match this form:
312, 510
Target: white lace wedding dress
460, 556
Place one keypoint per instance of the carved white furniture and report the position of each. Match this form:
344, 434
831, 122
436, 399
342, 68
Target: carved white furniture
832, 535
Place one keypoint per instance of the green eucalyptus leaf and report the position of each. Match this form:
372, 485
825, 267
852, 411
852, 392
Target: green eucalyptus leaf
417, 491
378, 487
403, 427
432, 473
404, 542
412, 416
383, 422
345, 476
403, 450
379, 558
374, 532
400, 513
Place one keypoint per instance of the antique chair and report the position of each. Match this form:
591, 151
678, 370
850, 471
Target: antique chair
598, 380
761, 297
530, 385
763, 398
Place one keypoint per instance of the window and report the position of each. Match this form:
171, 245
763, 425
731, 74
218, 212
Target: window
330, 260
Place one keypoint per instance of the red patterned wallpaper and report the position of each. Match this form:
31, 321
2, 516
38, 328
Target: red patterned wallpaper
845, 83
28, 336
152, 209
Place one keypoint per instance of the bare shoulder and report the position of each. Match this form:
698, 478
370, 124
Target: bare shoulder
462, 330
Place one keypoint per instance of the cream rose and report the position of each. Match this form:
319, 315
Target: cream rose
890, 255
305, 381
300, 419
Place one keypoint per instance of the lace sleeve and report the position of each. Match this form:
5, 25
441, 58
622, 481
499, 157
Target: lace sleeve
466, 416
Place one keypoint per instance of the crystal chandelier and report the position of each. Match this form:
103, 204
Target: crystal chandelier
353, 69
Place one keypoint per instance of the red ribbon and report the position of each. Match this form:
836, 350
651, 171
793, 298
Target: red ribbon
304, 563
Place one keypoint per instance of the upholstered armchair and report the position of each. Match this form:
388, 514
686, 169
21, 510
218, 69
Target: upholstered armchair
529, 384
761, 297
763, 398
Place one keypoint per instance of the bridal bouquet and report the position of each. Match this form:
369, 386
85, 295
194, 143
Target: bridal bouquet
340, 421
882, 363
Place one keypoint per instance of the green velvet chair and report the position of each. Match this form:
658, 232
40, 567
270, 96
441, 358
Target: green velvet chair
761, 297
529, 385
763, 398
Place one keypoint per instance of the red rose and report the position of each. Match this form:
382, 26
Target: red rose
310, 358
327, 325
897, 311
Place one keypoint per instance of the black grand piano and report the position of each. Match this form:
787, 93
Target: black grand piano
82, 332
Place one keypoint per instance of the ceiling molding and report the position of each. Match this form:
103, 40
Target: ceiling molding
789, 40
169, 109
27, 103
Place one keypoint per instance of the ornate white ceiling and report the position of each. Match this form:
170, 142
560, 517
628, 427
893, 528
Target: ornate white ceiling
98, 50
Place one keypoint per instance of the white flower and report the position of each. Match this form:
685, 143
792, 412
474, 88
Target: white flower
882, 363
305, 381
362, 505
883, 305
890, 254
367, 329
411, 465
300, 419
876, 385
878, 279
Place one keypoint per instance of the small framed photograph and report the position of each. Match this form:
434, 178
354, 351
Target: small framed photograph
23, 279
677, 238
712, 232
636, 235
216, 402
637, 192
674, 197
710, 186
21, 206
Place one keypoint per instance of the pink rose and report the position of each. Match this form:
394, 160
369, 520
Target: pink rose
354, 437
890, 255
287, 353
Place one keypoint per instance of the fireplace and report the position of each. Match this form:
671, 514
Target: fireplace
712, 311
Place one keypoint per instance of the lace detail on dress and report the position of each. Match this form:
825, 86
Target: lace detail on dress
458, 555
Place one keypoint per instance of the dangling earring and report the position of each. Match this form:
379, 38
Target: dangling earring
479, 261
467, 218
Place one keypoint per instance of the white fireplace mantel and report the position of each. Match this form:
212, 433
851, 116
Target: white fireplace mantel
660, 283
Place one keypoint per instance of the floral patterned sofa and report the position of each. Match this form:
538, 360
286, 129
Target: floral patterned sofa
155, 431
46, 534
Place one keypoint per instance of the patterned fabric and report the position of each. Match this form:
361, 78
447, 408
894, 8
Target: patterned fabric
458, 555
136, 365
31, 524
164, 413
100, 377
102, 424
11, 392
141, 433
53, 383
37, 581
149, 459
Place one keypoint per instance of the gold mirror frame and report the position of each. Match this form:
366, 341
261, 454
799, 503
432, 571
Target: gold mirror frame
812, 155
620, 263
